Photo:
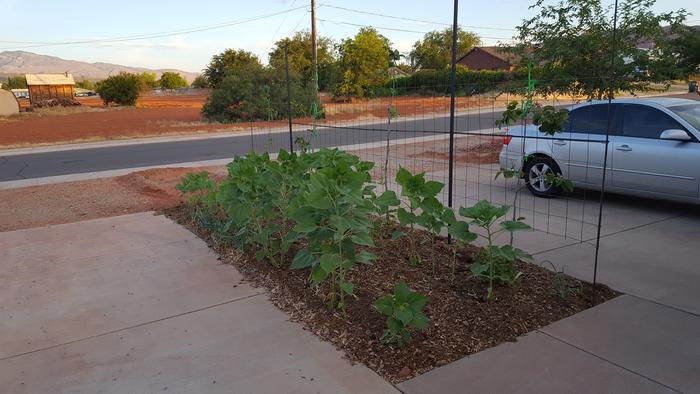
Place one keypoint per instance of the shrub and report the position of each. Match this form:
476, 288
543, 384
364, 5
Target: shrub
403, 310
438, 82
257, 94
171, 80
122, 89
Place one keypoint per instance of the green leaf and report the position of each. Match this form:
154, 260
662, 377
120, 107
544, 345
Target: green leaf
460, 230
330, 262
365, 257
303, 259
385, 305
347, 287
404, 315
318, 275
420, 321
363, 238
305, 227
401, 291
510, 225
397, 234
405, 217
387, 199
432, 188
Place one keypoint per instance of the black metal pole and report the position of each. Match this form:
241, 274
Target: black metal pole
289, 100
611, 92
453, 93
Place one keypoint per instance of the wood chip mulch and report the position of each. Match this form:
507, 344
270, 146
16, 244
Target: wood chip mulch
461, 321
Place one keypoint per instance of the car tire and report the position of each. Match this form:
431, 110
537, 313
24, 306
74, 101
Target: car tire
534, 173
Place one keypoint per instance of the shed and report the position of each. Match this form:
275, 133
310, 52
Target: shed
49, 86
489, 58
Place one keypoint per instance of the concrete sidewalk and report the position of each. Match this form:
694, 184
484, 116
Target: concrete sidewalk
138, 304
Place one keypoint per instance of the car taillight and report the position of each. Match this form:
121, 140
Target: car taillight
507, 139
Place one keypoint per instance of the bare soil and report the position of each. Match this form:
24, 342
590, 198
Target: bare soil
69, 202
461, 321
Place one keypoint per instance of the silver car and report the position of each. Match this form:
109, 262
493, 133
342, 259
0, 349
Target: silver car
653, 151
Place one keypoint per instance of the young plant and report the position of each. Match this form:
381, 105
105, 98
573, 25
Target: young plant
420, 195
197, 186
563, 285
386, 206
495, 264
403, 311
461, 236
333, 214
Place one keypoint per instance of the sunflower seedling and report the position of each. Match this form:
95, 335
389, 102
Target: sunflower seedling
403, 311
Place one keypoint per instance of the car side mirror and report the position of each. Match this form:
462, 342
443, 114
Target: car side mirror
675, 135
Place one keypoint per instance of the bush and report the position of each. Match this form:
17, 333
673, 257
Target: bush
122, 89
438, 82
171, 80
257, 94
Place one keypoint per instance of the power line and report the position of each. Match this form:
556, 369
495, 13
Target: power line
397, 29
154, 35
412, 19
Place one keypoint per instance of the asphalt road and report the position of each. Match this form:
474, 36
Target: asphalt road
36, 165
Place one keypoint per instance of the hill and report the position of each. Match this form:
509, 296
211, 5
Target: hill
21, 62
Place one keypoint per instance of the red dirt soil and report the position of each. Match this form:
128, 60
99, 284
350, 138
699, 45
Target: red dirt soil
177, 115
83, 200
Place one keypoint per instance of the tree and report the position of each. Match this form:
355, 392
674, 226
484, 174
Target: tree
227, 63
300, 58
364, 61
571, 42
85, 84
686, 45
200, 82
15, 83
147, 81
434, 51
122, 89
171, 80
253, 93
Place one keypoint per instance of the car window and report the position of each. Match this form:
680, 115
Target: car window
642, 121
592, 119
689, 112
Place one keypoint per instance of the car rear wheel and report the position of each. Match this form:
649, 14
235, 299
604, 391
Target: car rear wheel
536, 173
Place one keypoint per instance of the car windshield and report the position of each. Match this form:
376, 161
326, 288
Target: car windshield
689, 112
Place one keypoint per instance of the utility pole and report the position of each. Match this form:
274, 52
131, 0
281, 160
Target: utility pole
313, 43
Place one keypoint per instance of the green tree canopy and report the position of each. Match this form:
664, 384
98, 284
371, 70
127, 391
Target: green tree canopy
122, 89
147, 81
172, 80
14, 83
85, 84
200, 82
229, 62
686, 45
571, 43
434, 51
364, 61
300, 58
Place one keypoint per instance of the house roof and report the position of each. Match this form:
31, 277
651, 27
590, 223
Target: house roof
497, 52
50, 79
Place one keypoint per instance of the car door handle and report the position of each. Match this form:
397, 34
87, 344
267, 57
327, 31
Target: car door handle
559, 142
624, 148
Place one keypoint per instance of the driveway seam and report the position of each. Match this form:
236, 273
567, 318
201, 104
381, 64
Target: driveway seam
675, 308
133, 326
608, 361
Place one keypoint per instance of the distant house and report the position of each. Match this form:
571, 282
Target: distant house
49, 86
396, 72
488, 58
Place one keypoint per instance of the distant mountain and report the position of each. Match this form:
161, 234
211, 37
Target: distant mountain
20, 62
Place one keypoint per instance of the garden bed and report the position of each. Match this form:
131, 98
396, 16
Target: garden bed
461, 321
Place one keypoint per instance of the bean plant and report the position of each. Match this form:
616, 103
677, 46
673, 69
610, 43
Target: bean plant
495, 264
403, 310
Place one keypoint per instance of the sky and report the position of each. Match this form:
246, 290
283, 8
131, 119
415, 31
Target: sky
40, 22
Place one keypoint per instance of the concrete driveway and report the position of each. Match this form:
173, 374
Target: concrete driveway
138, 304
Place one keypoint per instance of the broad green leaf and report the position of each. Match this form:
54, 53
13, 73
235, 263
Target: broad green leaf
318, 275
387, 199
405, 217
303, 259
365, 257
384, 304
401, 291
404, 315
347, 287
460, 230
420, 321
363, 238
511, 225
330, 262
397, 234
432, 188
